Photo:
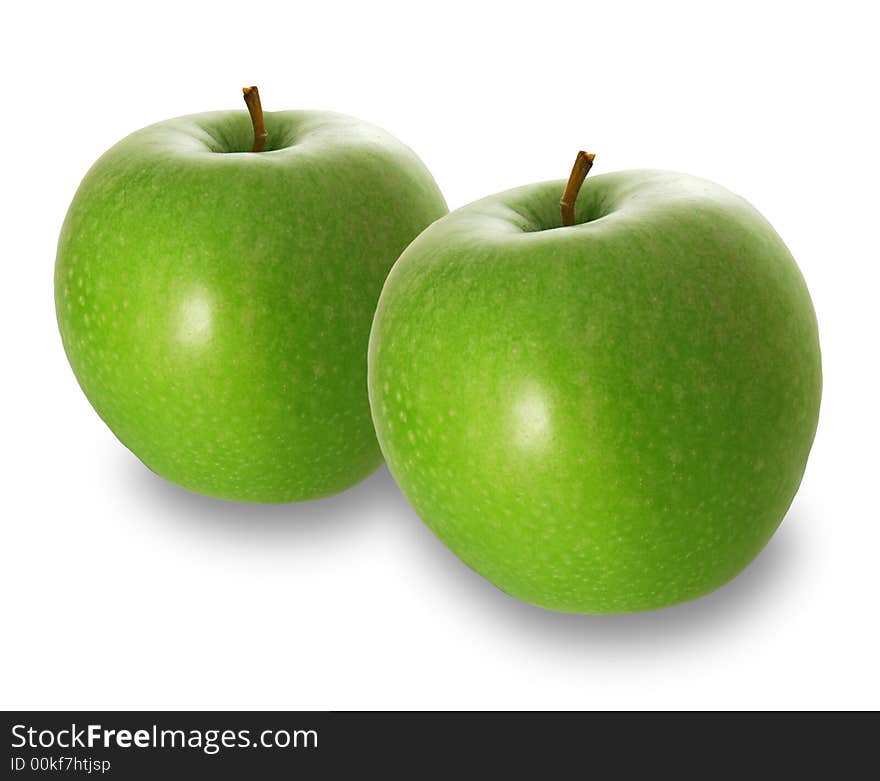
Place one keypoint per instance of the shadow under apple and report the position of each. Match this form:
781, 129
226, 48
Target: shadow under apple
322, 521
318, 520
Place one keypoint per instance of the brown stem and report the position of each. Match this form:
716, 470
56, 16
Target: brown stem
582, 165
252, 99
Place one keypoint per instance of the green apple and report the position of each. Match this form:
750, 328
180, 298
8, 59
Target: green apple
215, 302
606, 417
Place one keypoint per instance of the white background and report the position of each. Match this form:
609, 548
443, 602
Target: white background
120, 590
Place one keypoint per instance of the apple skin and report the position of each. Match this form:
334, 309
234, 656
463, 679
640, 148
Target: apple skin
603, 418
215, 304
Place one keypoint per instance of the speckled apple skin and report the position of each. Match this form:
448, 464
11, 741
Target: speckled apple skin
603, 418
215, 304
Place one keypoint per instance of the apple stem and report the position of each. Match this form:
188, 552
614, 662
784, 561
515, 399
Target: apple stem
582, 165
252, 99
